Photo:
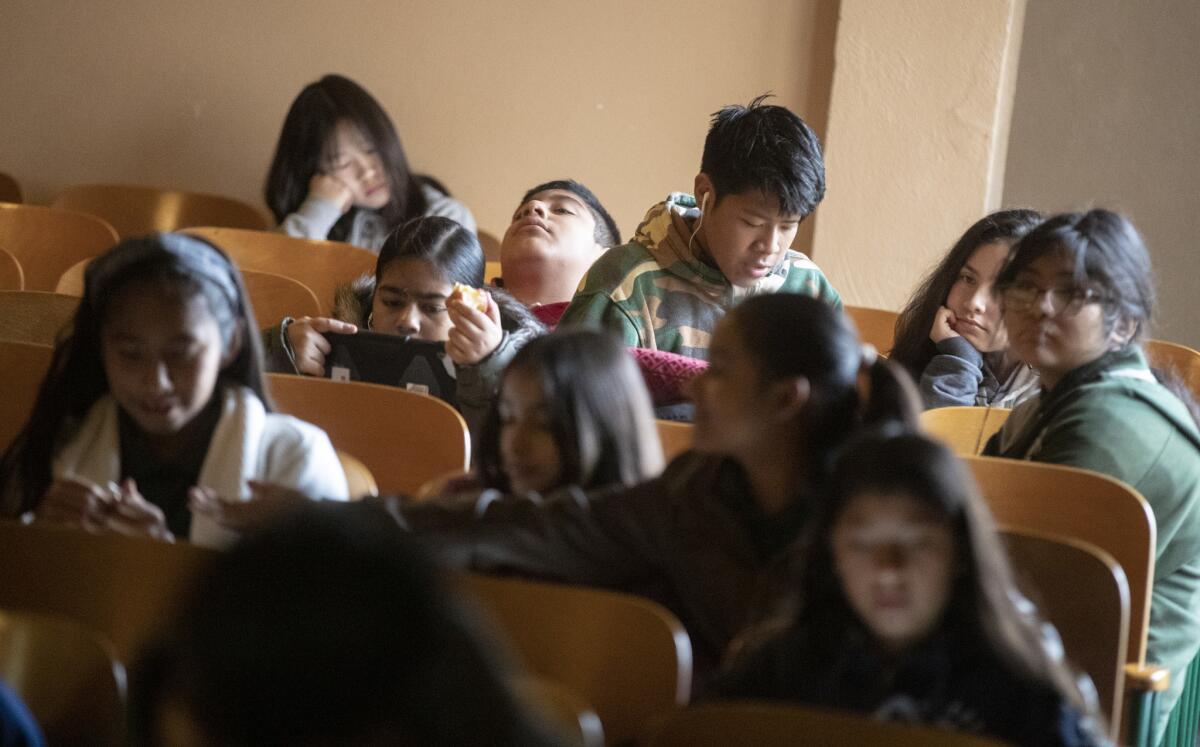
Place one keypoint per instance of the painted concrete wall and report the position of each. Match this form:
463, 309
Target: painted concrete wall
489, 97
1107, 113
918, 125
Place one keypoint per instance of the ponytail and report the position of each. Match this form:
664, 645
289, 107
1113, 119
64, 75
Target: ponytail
794, 335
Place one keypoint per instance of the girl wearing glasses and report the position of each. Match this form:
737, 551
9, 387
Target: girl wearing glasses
1078, 298
951, 336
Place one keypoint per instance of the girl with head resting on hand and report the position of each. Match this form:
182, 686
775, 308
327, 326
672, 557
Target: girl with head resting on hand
154, 406
340, 173
951, 335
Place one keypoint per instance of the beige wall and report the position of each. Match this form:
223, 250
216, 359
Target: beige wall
489, 97
1107, 113
918, 124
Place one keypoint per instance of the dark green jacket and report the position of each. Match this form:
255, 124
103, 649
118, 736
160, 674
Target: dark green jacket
1113, 417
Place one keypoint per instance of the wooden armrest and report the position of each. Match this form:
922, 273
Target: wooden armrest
1147, 678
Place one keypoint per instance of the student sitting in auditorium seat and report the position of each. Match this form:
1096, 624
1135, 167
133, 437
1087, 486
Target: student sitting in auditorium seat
951, 335
907, 610
157, 394
557, 232
694, 258
410, 295
572, 411
328, 627
1078, 298
708, 538
340, 173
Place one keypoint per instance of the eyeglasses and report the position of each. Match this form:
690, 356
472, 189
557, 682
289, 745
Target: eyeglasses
1066, 301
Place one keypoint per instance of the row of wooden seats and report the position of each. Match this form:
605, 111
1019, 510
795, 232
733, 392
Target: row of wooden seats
125, 589
47, 243
134, 210
624, 658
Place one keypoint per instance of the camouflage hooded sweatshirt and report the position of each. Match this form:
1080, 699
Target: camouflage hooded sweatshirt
657, 293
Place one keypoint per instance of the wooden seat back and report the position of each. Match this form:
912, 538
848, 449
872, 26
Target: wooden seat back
67, 674
26, 365
675, 437
320, 265
404, 438
124, 588
1082, 591
1082, 505
966, 430
274, 296
628, 657
36, 317
136, 210
875, 326
12, 275
47, 241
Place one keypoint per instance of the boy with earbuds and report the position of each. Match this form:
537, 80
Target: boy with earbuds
694, 258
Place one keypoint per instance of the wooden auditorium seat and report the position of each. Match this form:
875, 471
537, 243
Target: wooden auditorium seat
67, 674
628, 657
35, 316
26, 365
1082, 591
966, 430
875, 326
137, 210
404, 438
320, 265
125, 588
676, 437
47, 241
12, 276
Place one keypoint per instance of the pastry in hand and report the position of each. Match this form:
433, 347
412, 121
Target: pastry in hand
472, 297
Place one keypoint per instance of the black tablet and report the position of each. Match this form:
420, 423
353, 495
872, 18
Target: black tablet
415, 365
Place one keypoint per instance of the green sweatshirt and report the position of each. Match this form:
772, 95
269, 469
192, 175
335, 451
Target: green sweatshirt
657, 293
1113, 417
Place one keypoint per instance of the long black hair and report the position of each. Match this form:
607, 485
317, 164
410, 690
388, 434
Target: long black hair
793, 335
984, 610
598, 407
307, 128
912, 347
179, 266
